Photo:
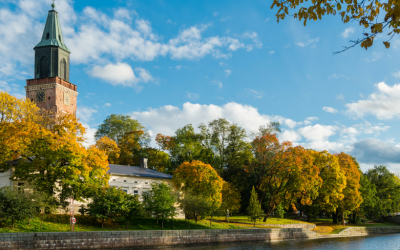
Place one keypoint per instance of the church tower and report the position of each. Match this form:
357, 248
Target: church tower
50, 89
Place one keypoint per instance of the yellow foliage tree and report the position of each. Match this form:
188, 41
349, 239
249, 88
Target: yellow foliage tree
47, 150
200, 179
352, 196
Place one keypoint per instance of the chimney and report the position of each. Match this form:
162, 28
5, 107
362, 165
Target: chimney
143, 162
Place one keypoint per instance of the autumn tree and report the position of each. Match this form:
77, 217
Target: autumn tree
116, 126
201, 179
330, 194
373, 15
110, 148
48, 151
352, 196
283, 174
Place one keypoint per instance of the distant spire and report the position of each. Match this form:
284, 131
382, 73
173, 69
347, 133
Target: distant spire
53, 5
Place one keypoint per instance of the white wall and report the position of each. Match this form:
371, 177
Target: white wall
5, 179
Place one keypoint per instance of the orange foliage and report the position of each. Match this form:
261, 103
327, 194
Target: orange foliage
200, 179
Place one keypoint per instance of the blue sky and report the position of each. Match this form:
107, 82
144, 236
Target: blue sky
170, 63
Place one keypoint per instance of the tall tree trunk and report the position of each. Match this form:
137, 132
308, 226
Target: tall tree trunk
127, 224
343, 218
102, 223
12, 226
335, 217
41, 224
162, 223
210, 222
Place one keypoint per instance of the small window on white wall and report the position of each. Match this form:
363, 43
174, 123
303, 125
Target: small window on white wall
136, 192
146, 183
124, 180
136, 182
113, 179
125, 190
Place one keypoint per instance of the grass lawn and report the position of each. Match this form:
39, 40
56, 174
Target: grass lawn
271, 220
60, 223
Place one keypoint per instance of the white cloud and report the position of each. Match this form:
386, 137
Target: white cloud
375, 57
317, 132
215, 14
89, 136
266, 20
121, 74
308, 42
107, 105
85, 114
254, 93
193, 96
168, 119
347, 32
309, 120
396, 74
272, 52
340, 96
228, 72
289, 135
384, 103
337, 76
329, 110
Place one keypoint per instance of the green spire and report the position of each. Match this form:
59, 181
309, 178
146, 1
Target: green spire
52, 35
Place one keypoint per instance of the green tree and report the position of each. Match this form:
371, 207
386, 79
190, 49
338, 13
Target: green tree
116, 126
160, 201
370, 200
254, 209
134, 209
387, 191
44, 204
279, 211
107, 203
15, 205
198, 206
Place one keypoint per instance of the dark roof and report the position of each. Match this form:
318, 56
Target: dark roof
136, 171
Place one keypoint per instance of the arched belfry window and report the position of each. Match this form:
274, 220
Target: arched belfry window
48, 36
63, 69
44, 67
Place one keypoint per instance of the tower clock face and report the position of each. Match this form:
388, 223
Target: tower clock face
40, 96
67, 99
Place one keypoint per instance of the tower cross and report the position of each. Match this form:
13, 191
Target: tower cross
53, 5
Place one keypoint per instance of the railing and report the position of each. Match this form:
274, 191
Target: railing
52, 80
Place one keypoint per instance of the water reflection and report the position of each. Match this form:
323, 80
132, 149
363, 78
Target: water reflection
382, 242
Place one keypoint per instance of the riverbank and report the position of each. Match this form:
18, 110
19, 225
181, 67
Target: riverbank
155, 239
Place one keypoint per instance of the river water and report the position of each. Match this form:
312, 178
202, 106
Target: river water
381, 242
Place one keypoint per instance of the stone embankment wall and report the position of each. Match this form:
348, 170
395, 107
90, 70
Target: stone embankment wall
143, 239
362, 231
294, 225
150, 239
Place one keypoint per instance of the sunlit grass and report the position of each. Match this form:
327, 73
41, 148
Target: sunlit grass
60, 223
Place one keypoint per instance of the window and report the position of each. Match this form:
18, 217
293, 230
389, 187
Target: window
113, 179
49, 97
136, 192
135, 182
125, 190
146, 183
44, 67
48, 36
124, 180
59, 38
63, 68
20, 186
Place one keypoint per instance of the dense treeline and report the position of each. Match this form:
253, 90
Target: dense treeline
217, 166
285, 177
